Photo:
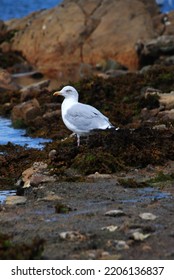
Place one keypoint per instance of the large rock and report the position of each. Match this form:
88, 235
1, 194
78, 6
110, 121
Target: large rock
6, 82
30, 91
166, 100
164, 113
36, 174
26, 111
160, 49
62, 41
161, 45
15, 200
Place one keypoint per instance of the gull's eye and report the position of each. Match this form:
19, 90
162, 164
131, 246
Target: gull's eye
68, 90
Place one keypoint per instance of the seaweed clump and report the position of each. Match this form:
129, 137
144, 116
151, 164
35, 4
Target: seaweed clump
13, 160
112, 151
22, 251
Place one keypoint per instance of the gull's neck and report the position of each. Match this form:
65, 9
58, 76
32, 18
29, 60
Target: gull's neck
68, 102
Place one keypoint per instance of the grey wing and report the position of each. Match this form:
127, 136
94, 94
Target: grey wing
86, 117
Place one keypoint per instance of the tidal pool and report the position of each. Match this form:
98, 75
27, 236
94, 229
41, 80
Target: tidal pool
18, 136
5, 193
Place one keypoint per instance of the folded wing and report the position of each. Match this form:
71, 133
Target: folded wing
87, 118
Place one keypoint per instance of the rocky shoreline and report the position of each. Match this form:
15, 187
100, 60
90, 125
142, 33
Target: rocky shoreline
111, 198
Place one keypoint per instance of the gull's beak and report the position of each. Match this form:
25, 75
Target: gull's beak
57, 93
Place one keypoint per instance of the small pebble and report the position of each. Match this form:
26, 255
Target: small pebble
71, 235
110, 228
147, 216
138, 236
52, 154
115, 213
121, 245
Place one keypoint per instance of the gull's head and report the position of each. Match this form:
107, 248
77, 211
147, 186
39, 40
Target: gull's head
67, 92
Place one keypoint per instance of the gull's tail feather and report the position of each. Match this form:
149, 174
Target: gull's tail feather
113, 127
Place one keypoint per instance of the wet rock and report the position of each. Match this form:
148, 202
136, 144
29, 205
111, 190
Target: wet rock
152, 50
145, 91
36, 175
39, 178
15, 200
111, 74
6, 82
169, 60
98, 254
72, 236
28, 92
111, 68
167, 115
147, 216
26, 175
160, 127
139, 236
110, 228
52, 154
89, 39
99, 176
165, 104
121, 245
116, 73
26, 111
50, 197
149, 115
115, 213
146, 248
150, 99
111, 64
52, 115
165, 99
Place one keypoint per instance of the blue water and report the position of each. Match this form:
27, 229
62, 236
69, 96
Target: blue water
19, 8
18, 136
148, 194
4, 194
165, 5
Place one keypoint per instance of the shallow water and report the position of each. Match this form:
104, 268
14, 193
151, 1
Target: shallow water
23, 7
18, 136
148, 194
143, 195
4, 194
165, 5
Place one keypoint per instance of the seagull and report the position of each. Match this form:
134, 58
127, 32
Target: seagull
80, 118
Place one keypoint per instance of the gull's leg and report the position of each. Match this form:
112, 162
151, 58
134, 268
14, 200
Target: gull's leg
71, 135
78, 140
87, 139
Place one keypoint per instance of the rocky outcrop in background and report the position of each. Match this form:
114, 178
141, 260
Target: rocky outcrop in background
66, 41
79, 38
